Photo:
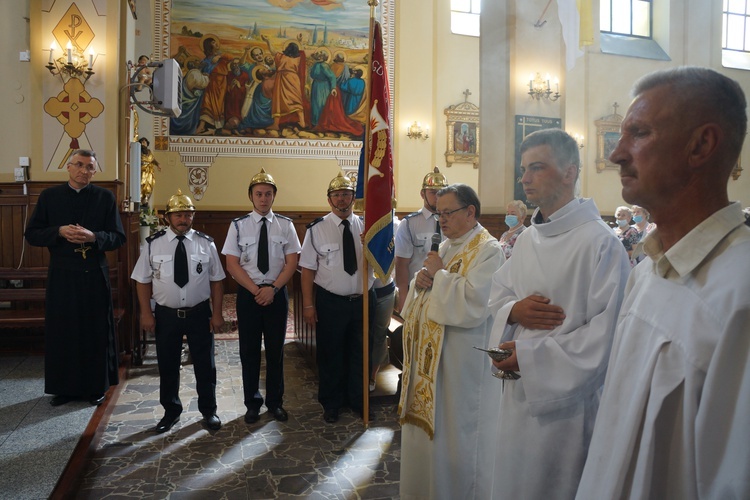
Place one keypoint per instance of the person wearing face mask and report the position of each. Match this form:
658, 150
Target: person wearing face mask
643, 224
624, 231
515, 215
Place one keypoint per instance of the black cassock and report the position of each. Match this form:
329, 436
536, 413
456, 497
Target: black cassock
80, 345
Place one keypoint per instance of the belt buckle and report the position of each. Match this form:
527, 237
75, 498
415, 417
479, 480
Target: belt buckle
181, 313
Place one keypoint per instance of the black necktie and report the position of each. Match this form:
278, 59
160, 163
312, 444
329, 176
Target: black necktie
350, 255
180, 263
263, 247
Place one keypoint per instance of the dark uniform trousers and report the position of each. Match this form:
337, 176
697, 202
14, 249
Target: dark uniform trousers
338, 337
171, 325
256, 322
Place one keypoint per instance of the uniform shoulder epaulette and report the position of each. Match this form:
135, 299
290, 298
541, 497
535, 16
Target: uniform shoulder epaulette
314, 222
283, 217
413, 214
240, 218
157, 234
204, 235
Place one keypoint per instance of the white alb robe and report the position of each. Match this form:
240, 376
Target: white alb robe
674, 420
544, 419
447, 467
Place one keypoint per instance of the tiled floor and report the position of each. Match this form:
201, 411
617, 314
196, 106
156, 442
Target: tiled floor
301, 458
36, 439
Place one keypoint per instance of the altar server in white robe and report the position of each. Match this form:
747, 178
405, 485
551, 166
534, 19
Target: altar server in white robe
441, 406
555, 306
675, 415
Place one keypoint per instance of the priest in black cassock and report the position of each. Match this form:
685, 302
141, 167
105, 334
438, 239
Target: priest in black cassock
78, 222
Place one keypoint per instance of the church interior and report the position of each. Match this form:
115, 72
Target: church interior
459, 102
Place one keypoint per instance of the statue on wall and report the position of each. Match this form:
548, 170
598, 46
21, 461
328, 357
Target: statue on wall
149, 165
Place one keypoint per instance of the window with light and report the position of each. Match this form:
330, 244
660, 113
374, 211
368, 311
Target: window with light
735, 43
465, 17
626, 17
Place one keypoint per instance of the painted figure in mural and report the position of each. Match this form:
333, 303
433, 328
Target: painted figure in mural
328, 111
352, 91
193, 85
323, 83
259, 115
216, 66
251, 59
149, 165
340, 68
288, 94
237, 81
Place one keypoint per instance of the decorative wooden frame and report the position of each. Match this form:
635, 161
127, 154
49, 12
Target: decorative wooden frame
607, 135
462, 133
199, 152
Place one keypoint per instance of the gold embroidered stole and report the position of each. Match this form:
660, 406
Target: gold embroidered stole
423, 344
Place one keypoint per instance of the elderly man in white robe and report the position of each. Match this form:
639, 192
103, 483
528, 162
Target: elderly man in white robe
555, 307
441, 406
674, 420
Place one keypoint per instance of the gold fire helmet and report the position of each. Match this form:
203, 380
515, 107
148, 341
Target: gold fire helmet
180, 203
261, 178
339, 183
434, 180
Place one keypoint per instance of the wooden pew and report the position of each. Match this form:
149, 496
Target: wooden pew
27, 301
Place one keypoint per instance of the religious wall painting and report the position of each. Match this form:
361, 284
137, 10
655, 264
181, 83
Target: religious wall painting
607, 137
131, 4
525, 125
462, 133
268, 78
73, 107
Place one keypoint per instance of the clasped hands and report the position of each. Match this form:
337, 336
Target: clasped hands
425, 276
265, 295
75, 233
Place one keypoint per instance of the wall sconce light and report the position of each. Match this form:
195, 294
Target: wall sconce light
540, 88
415, 131
579, 140
73, 64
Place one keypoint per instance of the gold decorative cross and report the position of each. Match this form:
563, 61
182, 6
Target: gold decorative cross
83, 250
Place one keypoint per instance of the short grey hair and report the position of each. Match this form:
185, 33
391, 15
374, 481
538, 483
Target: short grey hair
465, 195
521, 207
84, 152
704, 94
624, 209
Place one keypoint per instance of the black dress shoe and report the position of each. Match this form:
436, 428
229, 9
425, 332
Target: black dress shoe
331, 416
167, 423
97, 400
252, 416
60, 400
279, 414
212, 422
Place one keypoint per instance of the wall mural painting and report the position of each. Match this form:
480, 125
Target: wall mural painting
271, 68
273, 78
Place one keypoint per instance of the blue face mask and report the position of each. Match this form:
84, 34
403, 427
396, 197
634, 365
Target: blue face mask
622, 222
511, 220
637, 219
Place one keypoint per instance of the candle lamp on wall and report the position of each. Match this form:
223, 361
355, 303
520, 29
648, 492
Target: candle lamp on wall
71, 64
416, 131
541, 88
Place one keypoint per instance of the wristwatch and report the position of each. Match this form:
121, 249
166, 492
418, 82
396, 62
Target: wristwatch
275, 290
